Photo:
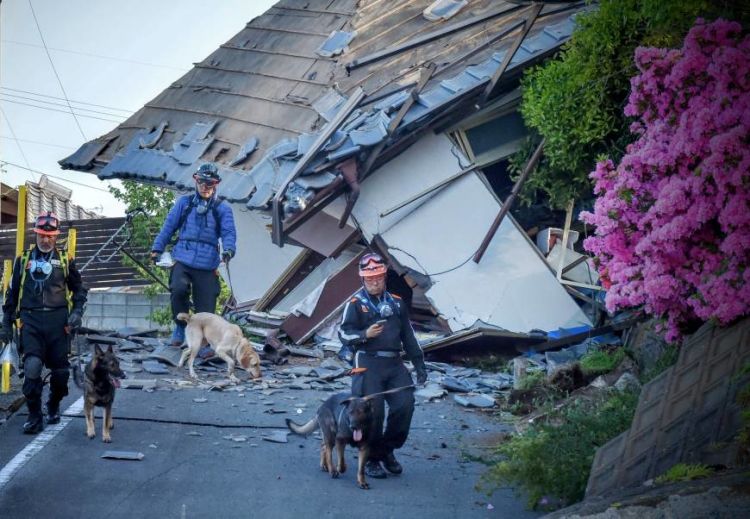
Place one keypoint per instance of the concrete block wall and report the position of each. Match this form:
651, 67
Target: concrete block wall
681, 414
113, 310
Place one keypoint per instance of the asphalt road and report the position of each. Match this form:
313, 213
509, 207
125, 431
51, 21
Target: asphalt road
208, 459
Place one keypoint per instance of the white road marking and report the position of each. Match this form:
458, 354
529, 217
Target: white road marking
38, 443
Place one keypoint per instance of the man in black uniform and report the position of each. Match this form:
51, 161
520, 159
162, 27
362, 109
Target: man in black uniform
44, 282
376, 328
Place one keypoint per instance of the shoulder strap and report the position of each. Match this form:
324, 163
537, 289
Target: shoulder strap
24, 260
217, 218
65, 265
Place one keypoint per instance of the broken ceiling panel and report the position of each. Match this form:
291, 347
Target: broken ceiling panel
258, 263
511, 288
427, 162
322, 234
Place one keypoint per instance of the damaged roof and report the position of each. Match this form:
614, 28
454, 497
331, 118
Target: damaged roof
255, 105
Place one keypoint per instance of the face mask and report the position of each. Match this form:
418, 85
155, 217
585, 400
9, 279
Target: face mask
40, 268
385, 310
201, 205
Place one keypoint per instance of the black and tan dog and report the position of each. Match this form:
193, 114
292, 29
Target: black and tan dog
342, 419
101, 378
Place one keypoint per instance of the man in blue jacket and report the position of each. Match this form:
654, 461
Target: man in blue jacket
206, 236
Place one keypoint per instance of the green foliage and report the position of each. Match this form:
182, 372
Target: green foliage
665, 361
532, 380
601, 361
743, 399
684, 472
576, 101
553, 462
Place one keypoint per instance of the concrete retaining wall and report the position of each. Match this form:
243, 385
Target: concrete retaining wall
113, 310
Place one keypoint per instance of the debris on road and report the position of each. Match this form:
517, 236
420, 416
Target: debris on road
123, 455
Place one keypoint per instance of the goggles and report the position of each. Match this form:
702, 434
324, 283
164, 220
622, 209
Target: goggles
372, 265
47, 224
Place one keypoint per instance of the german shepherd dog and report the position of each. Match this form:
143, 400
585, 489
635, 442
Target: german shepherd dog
101, 377
342, 419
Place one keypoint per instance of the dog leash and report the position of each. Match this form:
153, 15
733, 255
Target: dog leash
394, 390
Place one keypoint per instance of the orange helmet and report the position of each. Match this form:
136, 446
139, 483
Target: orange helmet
47, 223
372, 265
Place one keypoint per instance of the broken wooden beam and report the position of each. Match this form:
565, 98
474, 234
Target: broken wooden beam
509, 201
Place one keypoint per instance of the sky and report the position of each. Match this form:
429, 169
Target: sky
111, 58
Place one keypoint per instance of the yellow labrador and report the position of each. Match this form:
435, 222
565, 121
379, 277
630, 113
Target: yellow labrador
226, 340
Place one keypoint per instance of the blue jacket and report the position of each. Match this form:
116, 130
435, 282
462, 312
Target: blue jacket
198, 242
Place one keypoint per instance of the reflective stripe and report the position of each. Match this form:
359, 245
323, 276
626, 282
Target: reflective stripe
356, 359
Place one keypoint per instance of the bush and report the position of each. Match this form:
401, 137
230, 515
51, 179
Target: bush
666, 360
553, 462
673, 217
601, 361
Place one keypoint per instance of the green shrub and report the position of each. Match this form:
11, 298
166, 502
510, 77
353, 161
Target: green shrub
600, 361
532, 380
553, 462
684, 472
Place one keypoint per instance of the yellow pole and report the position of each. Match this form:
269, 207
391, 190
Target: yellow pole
72, 241
21, 224
5, 381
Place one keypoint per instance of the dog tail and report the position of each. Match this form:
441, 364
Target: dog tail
183, 316
302, 430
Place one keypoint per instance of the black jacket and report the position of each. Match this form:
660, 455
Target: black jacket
50, 294
362, 311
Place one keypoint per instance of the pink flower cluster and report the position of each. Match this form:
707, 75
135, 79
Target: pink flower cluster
673, 218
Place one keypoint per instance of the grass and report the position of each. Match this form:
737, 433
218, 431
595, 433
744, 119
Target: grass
552, 463
684, 472
601, 361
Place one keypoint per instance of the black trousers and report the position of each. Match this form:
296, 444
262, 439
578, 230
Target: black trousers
43, 336
382, 374
204, 285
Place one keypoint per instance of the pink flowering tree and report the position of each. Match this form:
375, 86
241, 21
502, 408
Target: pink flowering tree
673, 217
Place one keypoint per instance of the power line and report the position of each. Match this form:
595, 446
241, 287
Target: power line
13, 133
61, 98
53, 176
61, 111
60, 104
40, 142
52, 63
100, 56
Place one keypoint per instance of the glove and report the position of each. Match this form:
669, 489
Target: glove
421, 375
75, 319
227, 255
155, 256
6, 332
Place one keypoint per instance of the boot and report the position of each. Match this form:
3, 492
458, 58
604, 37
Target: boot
391, 464
34, 423
178, 335
374, 470
53, 412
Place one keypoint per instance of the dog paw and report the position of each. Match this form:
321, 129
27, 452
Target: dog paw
90, 436
107, 439
342, 469
363, 485
334, 474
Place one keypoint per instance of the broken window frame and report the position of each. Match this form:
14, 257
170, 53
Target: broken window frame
504, 106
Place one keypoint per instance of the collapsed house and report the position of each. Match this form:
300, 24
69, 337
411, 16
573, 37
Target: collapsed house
345, 125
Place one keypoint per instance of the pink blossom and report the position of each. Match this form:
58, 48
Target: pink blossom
673, 217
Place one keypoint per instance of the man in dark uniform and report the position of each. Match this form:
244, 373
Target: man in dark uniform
43, 285
376, 328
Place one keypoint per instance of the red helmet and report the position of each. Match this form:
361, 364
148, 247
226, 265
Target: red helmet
47, 223
372, 265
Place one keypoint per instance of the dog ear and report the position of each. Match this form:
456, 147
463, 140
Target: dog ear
110, 350
98, 351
